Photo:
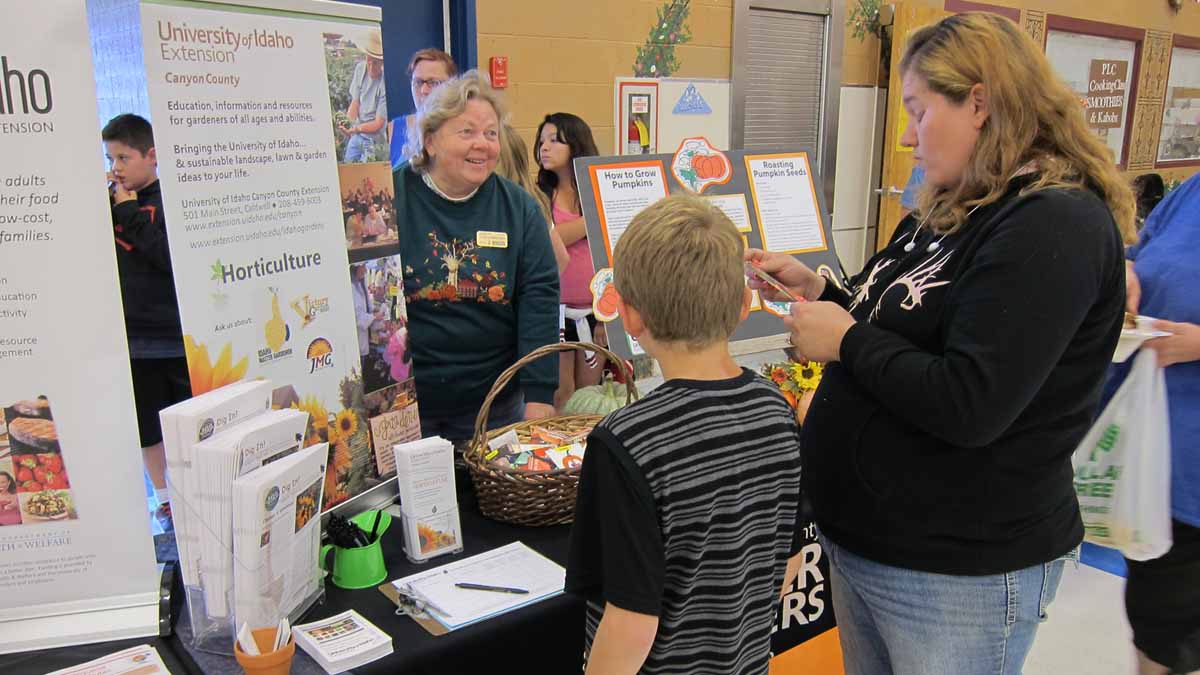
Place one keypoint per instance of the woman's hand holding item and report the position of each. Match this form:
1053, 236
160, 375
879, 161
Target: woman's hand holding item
817, 329
790, 272
1181, 346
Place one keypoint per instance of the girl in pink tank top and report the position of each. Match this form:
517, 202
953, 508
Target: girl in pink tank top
561, 138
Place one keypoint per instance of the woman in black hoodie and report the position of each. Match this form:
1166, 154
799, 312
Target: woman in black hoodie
965, 363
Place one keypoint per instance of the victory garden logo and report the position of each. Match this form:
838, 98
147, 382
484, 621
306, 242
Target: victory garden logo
308, 307
263, 267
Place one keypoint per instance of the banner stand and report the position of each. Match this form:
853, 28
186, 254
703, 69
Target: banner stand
77, 560
87, 621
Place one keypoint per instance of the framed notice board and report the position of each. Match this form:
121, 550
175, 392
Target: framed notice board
774, 199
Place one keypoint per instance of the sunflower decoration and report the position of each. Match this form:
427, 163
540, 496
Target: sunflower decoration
807, 374
206, 375
797, 381
331, 431
318, 419
346, 424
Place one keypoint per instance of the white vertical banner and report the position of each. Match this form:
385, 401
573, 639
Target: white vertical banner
245, 100
76, 555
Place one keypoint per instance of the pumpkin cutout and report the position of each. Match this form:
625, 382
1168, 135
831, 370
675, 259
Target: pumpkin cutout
604, 296
708, 167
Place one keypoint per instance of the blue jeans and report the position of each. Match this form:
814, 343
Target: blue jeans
357, 148
904, 622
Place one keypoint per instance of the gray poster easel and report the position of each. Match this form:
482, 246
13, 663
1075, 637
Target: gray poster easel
762, 330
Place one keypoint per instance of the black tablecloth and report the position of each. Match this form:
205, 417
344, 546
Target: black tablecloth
546, 637
43, 661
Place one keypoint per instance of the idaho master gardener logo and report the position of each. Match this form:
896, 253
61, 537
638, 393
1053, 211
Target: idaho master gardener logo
277, 333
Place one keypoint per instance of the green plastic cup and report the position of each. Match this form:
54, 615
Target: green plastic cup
360, 567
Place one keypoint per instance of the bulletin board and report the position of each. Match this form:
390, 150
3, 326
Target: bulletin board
681, 108
775, 199
1180, 136
1079, 59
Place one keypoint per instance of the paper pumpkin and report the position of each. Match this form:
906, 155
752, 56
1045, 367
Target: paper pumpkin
604, 296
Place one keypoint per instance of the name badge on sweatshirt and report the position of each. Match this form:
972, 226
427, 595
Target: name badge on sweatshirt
491, 239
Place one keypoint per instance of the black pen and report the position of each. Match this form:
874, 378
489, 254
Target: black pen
494, 589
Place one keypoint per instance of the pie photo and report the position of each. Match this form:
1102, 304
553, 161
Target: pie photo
37, 434
39, 407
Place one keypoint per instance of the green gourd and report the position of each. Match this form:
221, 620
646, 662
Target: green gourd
599, 399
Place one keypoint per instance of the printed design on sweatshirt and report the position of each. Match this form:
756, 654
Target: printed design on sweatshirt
863, 292
916, 282
454, 272
119, 229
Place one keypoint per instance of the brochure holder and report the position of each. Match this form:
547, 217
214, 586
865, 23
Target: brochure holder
216, 635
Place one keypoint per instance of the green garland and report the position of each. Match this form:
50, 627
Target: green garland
656, 58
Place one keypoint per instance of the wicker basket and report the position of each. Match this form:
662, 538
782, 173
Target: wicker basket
532, 498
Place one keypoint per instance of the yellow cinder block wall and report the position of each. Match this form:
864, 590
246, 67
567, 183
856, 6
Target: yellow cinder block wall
564, 54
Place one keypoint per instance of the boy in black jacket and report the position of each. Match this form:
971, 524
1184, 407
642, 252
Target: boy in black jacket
160, 374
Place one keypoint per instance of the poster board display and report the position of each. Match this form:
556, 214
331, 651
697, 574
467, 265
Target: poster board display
278, 202
76, 556
775, 199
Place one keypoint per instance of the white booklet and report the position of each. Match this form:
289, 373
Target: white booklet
184, 425
428, 501
515, 567
139, 660
215, 464
277, 536
342, 642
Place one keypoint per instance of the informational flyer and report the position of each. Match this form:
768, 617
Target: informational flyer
74, 530
735, 207
786, 200
622, 191
139, 660
272, 187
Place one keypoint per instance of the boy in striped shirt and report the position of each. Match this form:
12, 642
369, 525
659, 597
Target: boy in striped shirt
688, 498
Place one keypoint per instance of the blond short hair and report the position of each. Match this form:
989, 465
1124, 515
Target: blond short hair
680, 265
446, 102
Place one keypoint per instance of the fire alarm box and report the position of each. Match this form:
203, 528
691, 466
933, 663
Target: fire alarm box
498, 69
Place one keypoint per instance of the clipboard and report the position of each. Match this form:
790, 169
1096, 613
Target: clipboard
430, 624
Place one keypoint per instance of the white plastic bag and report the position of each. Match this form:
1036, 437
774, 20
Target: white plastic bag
1123, 467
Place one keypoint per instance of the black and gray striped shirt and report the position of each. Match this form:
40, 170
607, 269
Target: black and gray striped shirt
687, 511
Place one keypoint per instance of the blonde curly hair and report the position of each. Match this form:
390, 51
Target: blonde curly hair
1032, 117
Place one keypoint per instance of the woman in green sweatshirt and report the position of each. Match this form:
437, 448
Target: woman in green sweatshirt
479, 273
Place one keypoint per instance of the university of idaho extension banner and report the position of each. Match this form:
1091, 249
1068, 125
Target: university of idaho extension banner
74, 531
270, 128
